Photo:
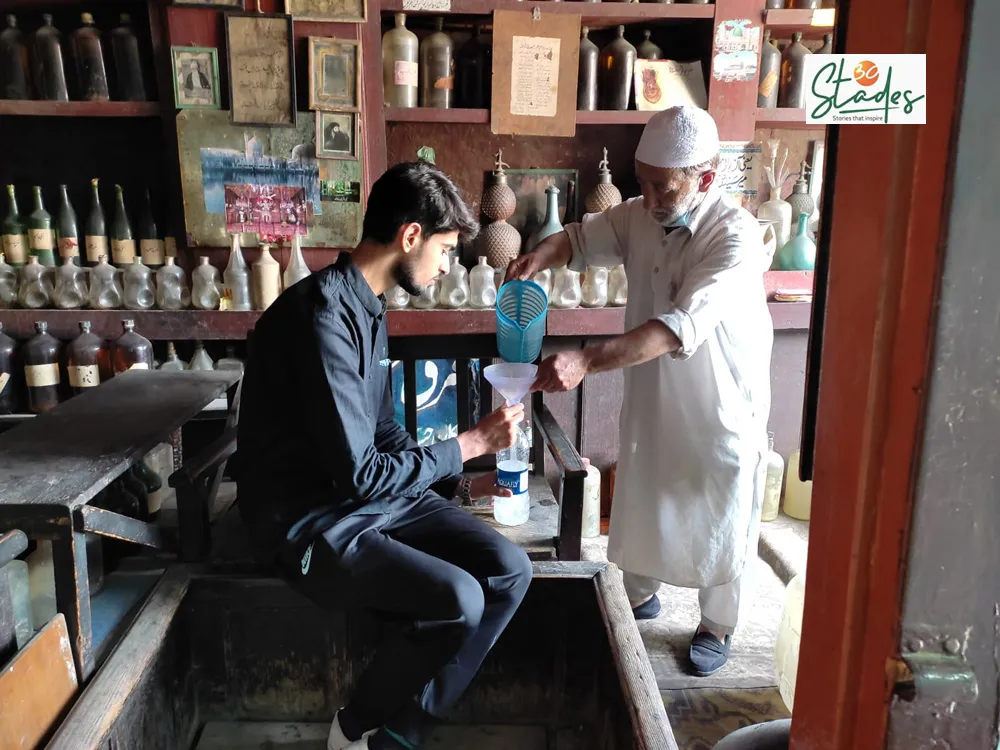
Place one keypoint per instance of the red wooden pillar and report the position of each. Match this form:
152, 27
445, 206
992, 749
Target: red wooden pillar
733, 103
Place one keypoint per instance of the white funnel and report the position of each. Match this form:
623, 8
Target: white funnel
512, 379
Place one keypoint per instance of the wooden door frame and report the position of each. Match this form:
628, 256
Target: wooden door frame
889, 204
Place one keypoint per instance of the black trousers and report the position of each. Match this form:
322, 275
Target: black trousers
452, 580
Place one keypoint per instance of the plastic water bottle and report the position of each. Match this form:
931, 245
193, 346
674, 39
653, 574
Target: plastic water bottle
512, 473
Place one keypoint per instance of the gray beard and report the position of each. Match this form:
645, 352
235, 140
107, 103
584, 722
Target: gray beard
696, 200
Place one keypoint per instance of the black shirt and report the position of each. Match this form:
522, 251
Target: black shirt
317, 437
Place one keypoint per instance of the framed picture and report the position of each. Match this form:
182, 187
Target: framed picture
341, 11
196, 77
261, 69
231, 4
337, 135
334, 74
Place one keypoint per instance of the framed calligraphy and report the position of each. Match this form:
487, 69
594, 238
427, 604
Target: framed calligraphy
340, 11
261, 69
334, 74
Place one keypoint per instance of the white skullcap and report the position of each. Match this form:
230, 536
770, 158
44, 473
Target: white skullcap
681, 136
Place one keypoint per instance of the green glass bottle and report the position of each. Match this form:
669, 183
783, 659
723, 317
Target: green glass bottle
41, 238
122, 239
150, 243
15, 244
69, 235
95, 232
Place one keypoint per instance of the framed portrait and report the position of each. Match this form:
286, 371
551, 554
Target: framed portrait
334, 74
261, 69
341, 11
231, 4
196, 77
337, 135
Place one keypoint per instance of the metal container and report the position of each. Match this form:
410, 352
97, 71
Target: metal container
617, 64
647, 49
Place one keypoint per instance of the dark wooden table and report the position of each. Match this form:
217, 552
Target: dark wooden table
52, 466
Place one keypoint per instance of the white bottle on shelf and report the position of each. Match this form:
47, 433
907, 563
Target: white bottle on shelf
591, 501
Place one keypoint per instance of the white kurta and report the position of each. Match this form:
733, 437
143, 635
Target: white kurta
693, 424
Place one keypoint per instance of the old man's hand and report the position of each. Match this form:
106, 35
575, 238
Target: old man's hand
561, 372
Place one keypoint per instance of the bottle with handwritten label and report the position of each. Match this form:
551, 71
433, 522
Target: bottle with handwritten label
205, 294
66, 229
105, 289
13, 62
91, 75
140, 292
150, 243
400, 77
95, 233
172, 291
86, 359
128, 63
48, 71
41, 369
770, 73
131, 351
8, 284
8, 381
71, 286
437, 68
15, 243
41, 239
35, 291
122, 239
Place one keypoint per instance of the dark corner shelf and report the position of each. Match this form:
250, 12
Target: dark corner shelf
784, 118
78, 109
482, 116
812, 23
594, 15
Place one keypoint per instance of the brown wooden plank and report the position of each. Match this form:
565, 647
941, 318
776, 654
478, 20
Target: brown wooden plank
440, 322
638, 684
69, 563
79, 109
88, 723
35, 688
116, 526
610, 14
786, 118
811, 23
155, 325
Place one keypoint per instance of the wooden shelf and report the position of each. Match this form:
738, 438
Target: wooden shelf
595, 15
613, 117
79, 109
482, 116
156, 325
812, 23
785, 118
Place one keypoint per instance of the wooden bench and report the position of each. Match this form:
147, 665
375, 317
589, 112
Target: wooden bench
52, 466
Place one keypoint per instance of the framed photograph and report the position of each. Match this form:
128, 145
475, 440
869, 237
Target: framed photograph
196, 77
334, 74
261, 69
337, 135
341, 11
231, 4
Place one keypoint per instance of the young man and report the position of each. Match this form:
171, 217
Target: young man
335, 492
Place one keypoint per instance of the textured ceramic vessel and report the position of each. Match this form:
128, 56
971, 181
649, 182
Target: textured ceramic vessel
605, 194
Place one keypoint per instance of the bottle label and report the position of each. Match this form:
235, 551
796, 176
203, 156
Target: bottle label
69, 247
96, 247
4, 379
123, 252
152, 252
768, 83
405, 73
40, 239
40, 376
445, 83
13, 248
84, 376
139, 366
515, 481
170, 247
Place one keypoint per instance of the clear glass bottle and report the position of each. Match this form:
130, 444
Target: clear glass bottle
66, 229
400, 79
772, 483
236, 294
230, 361
205, 293
35, 291
566, 291
779, 213
13, 62
105, 289
8, 284
140, 291
512, 474
437, 68
150, 243
482, 285
122, 239
94, 229
173, 363
128, 62
453, 290
594, 291
618, 286
266, 278
15, 241
131, 351
48, 71
397, 298
200, 359
71, 286
544, 279
8, 381
87, 358
428, 298
41, 369
91, 76
172, 291
296, 270
41, 238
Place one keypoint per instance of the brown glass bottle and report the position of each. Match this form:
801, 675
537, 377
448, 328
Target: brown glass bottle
128, 62
86, 359
91, 76
13, 62
617, 62
473, 72
131, 351
47, 69
41, 370
8, 384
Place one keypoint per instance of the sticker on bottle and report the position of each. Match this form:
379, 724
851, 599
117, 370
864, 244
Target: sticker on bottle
123, 252
69, 247
84, 376
152, 252
96, 247
13, 248
170, 247
40, 376
4, 379
40, 239
139, 366
515, 481
445, 83
405, 73
768, 83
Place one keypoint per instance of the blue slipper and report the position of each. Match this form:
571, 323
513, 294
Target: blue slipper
708, 654
648, 610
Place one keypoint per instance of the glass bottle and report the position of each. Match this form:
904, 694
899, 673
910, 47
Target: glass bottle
798, 494
71, 286
150, 243
566, 291
205, 286
453, 290
482, 285
594, 290
68, 234
586, 88
172, 291
617, 286
35, 291
236, 277
8, 284
13, 62
437, 68
779, 213
131, 351
827, 48
799, 253
770, 72
173, 363
128, 63
648, 49
140, 292
772, 482
551, 225
122, 239
296, 270
617, 64
48, 72
86, 358
230, 361
400, 79
266, 278
41, 240
544, 279
94, 229
397, 298
91, 76
473, 72
105, 289
41, 369
15, 243
200, 359
793, 79
8, 390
